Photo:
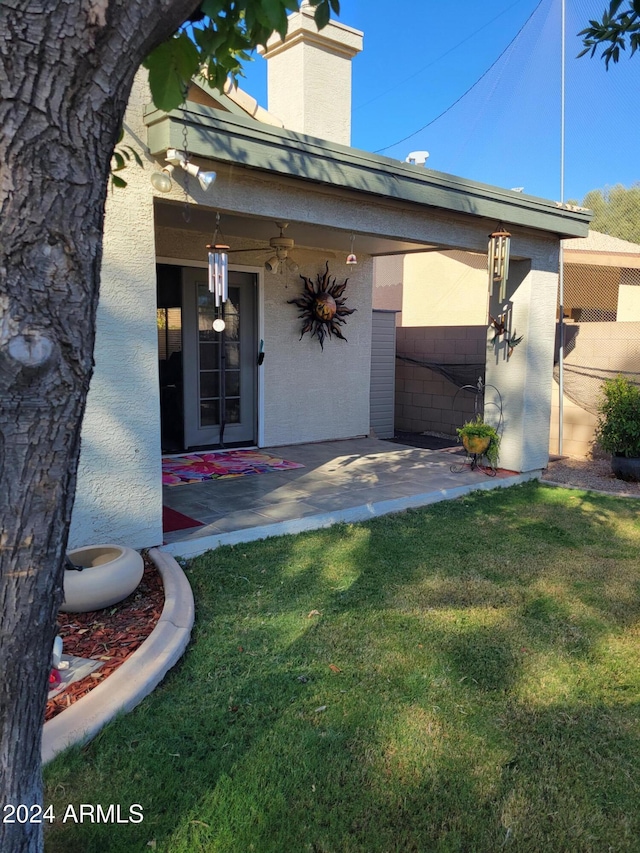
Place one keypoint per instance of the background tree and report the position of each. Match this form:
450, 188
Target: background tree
66, 71
616, 211
617, 28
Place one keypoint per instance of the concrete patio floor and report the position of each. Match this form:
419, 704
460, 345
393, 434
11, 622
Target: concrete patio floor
350, 480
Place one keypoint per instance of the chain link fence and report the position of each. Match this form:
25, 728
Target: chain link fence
602, 315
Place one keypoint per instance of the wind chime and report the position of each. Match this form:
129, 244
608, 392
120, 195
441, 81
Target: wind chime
498, 257
219, 287
218, 268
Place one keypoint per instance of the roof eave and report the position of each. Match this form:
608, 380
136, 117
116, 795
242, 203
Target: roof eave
245, 142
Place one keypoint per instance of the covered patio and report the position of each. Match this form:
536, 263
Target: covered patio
350, 480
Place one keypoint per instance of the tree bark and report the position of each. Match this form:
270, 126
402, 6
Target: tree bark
66, 71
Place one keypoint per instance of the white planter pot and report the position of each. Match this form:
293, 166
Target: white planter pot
111, 573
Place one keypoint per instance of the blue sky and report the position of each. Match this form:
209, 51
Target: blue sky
420, 59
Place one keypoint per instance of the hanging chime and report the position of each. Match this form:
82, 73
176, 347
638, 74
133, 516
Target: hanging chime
218, 261
498, 257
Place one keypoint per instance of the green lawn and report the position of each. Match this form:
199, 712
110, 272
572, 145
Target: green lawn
460, 678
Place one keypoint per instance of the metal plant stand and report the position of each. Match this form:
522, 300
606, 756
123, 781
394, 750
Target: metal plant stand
472, 460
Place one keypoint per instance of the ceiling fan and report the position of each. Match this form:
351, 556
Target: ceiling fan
280, 246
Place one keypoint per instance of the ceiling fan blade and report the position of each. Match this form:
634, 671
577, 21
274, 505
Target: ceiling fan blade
258, 249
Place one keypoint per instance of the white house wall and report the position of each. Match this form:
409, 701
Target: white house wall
310, 394
523, 378
119, 494
450, 289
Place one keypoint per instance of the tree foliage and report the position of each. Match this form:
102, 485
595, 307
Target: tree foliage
216, 40
616, 211
617, 28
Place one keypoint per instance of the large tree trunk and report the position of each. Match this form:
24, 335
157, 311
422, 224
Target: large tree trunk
66, 70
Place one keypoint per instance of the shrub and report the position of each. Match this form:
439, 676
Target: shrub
618, 430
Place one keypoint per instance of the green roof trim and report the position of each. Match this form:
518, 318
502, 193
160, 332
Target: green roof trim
243, 141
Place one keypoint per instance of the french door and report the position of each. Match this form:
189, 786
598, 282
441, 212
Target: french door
220, 368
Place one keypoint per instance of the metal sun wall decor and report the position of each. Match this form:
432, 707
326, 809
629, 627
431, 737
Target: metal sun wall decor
322, 307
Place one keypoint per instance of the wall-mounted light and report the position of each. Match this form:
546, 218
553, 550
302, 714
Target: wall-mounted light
498, 260
218, 267
351, 258
161, 181
205, 179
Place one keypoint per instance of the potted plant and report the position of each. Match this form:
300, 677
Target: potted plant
618, 429
480, 439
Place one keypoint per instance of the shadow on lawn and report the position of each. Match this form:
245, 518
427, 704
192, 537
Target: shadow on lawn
433, 734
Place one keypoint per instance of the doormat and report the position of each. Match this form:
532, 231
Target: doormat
198, 467
174, 520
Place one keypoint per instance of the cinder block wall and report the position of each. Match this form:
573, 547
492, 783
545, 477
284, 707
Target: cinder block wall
605, 346
424, 397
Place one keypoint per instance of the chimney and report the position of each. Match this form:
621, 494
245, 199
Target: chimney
309, 76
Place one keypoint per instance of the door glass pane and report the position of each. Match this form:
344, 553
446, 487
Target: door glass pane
233, 411
232, 352
232, 380
209, 384
206, 313
209, 357
232, 315
209, 410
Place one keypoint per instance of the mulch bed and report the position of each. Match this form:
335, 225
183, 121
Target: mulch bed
110, 635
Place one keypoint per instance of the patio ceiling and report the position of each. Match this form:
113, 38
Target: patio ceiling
168, 214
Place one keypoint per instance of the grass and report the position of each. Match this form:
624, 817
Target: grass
460, 678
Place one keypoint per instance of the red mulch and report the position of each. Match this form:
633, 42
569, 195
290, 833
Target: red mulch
110, 635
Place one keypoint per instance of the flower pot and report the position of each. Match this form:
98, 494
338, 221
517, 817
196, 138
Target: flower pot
626, 468
110, 574
476, 444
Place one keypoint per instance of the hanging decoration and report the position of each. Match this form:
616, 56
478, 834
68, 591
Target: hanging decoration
218, 263
322, 307
498, 258
351, 257
500, 326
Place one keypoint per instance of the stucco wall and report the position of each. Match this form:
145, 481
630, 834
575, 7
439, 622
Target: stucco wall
629, 303
310, 394
309, 76
388, 271
448, 289
119, 496
524, 377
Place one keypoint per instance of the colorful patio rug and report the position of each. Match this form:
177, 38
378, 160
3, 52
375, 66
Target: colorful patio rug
197, 467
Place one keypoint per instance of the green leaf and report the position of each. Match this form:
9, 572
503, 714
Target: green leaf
120, 162
274, 12
322, 14
135, 155
118, 182
171, 66
212, 8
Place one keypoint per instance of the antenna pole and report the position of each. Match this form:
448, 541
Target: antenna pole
561, 255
